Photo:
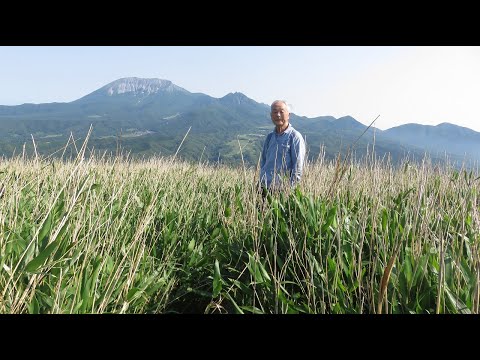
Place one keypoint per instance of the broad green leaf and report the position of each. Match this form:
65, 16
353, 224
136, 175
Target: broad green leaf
61, 232
77, 307
35, 263
256, 270
407, 269
456, 303
46, 227
96, 270
86, 293
215, 233
109, 265
237, 308
420, 269
33, 307
252, 309
264, 272
94, 187
331, 265
331, 219
224, 233
217, 280
244, 288
133, 294
384, 220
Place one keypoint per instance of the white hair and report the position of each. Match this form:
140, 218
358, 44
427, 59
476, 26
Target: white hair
280, 101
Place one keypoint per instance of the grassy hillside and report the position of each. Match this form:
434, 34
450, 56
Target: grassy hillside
148, 117
159, 235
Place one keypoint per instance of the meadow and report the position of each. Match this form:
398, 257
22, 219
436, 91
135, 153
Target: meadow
108, 234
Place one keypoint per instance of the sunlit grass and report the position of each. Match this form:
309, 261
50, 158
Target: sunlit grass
112, 235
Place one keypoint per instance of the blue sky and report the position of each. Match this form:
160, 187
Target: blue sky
421, 84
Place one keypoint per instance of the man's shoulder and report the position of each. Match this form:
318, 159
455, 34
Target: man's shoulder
268, 137
295, 133
270, 134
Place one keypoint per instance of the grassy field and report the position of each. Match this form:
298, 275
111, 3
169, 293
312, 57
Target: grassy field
112, 235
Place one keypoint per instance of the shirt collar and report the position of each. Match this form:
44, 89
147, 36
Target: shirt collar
286, 131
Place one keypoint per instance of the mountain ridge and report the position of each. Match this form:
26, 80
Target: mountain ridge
159, 113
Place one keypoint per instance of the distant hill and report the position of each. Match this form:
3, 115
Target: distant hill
439, 139
152, 116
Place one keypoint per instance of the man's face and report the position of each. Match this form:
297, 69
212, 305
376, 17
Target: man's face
280, 114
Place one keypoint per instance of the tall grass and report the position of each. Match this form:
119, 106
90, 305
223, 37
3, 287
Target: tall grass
112, 235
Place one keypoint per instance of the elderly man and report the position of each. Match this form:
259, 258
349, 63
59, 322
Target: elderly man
283, 153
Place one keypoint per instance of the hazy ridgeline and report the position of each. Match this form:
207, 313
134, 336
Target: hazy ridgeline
112, 235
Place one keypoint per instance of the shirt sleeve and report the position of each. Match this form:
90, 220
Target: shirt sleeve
264, 151
298, 157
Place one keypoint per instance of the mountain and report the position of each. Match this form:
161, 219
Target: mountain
438, 139
152, 116
137, 87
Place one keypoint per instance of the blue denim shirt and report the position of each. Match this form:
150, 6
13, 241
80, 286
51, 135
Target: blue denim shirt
283, 156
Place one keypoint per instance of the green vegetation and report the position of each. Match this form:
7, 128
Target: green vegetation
100, 234
154, 125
